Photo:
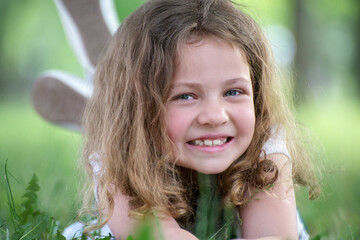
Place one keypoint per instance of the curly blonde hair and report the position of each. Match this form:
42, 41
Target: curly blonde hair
124, 119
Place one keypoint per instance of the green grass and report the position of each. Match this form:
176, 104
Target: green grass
335, 124
32, 145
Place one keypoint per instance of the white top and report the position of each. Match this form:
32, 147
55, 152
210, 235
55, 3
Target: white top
276, 143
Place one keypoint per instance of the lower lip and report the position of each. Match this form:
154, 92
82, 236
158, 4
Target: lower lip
212, 149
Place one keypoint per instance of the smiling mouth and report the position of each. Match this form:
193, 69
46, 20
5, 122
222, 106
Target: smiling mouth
210, 142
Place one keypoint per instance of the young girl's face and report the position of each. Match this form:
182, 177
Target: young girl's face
210, 115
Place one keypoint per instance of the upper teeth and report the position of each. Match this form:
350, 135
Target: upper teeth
210, 143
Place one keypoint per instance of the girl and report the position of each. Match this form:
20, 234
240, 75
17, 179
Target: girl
188, 86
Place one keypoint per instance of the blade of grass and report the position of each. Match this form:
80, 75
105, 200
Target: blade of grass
14, 177
7, 234
226, 225
158, 224
36, 230
209, 206
51, 228
9, 195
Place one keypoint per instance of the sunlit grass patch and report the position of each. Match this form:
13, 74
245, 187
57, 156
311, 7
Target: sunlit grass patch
335, 125
34, 146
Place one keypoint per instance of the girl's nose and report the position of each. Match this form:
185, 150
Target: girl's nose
212, 114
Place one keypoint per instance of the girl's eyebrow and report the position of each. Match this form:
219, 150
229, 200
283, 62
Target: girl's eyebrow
199, 86
188, 84
239, 79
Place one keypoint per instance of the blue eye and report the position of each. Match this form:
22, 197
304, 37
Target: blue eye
233, 92
184, 97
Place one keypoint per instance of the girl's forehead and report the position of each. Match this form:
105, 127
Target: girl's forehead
209, 58
197, 41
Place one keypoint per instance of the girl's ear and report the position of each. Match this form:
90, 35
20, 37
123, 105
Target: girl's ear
60, 97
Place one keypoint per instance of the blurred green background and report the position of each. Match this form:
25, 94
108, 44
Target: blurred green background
316, 43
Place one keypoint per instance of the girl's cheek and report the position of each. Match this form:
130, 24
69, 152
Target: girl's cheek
173, 122
176, 126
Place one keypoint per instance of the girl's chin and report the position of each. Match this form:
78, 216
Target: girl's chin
214, 165
211, 169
